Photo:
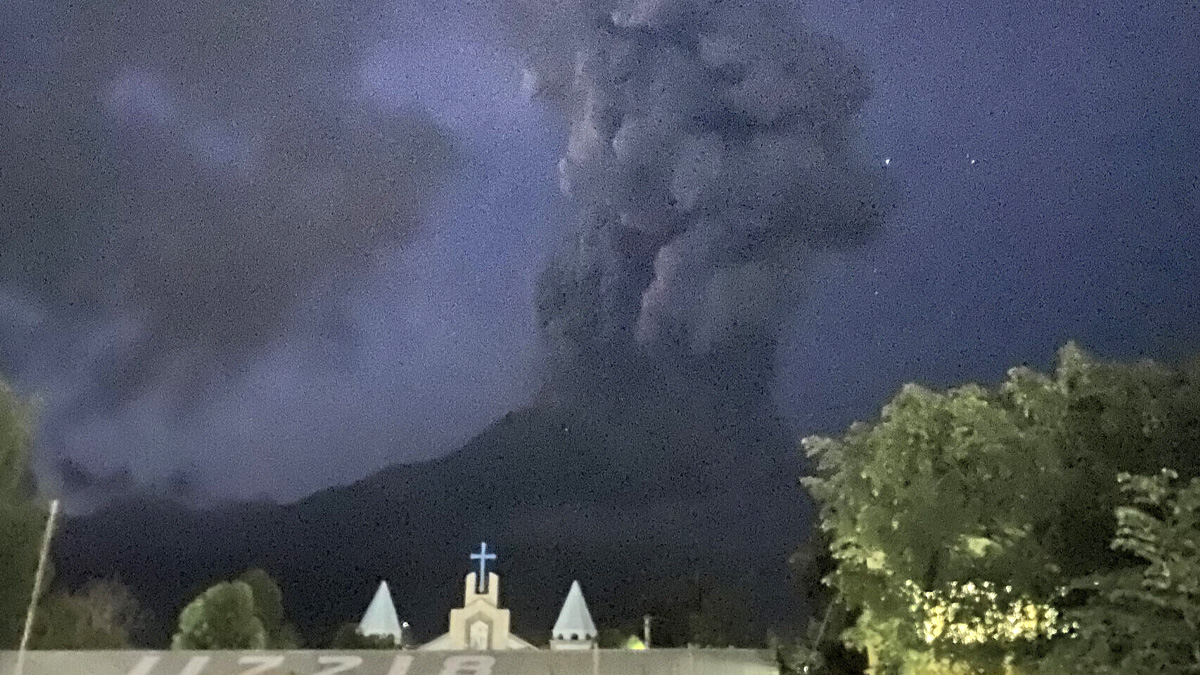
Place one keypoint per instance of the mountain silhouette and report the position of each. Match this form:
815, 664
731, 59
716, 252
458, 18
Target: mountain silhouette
643, 521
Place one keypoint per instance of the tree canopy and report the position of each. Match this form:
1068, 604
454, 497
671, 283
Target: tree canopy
268, 607
101, 615
1143, 619
957, 517
223, 617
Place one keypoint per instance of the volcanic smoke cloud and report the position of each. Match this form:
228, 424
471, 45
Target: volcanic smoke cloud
179, 179
711, 149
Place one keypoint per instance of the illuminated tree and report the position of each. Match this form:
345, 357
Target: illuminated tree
1144, 619
945, 489
957, 518
223, 617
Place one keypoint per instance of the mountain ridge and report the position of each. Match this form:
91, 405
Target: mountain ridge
560, 494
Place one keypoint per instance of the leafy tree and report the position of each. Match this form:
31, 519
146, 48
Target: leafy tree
102, 615
21, 518
819, 649
701, 610
956, 518
223, 617
946, 488
721, 617
268, 607
1144, 619
615, 638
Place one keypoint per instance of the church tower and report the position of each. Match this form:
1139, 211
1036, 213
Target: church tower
380, 619
480, 624
574, 628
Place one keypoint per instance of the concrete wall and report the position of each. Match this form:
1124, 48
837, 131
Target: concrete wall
594, 662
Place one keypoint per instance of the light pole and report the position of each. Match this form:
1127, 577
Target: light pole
37, 586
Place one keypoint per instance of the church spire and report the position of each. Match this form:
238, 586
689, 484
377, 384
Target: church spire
574, 628
380, 618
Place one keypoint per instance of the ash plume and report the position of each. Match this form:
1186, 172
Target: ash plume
712, 151
179, 180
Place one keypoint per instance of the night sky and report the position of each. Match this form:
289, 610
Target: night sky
1044, 155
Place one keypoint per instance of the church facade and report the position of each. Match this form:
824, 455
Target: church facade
482, 624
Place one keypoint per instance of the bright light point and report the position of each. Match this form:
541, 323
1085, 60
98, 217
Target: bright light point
974, 161
887, 161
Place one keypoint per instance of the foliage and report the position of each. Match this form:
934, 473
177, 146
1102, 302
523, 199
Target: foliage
614, 638
721, 618
699, 609
1145, 619
957, 517
102, 615
268, 607
819, 651
348, 637
946, 488
21, 518
223, 617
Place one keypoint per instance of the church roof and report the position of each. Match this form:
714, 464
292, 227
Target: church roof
574, 621
380, 618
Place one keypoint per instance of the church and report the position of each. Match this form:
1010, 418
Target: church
478, 641
481, 624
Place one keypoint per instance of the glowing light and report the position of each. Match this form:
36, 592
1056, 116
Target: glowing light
976, 613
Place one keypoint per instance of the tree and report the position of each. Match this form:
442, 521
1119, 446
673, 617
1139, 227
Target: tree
701, 610
268, 607
1144, 619
223, 617
615, 638
819, 650
102, 615
946, 488
21, 518
720, 618
958, 516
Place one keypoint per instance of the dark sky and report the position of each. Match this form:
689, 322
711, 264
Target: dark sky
1045, 153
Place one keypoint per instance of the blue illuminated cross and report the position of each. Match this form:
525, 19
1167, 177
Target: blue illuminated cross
483, 557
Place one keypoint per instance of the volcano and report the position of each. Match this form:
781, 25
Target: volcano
643, 520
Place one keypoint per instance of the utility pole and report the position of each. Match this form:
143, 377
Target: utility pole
646, 630
37, 587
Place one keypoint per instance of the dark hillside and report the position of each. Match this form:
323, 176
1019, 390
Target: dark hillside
556, 494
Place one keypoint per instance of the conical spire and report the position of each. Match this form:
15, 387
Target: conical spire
380, 618
574, 621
